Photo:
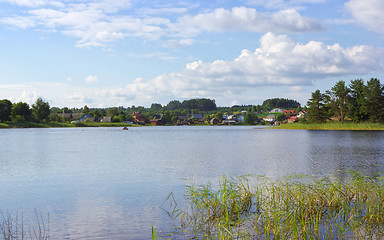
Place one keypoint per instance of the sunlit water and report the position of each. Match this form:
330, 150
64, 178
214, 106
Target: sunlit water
105, 183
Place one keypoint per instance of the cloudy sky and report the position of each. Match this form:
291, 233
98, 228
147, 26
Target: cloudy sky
104, 53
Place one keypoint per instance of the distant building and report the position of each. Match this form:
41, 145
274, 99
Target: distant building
214, 121
86, 116
157, 120
276, 110
138, 118
270, 118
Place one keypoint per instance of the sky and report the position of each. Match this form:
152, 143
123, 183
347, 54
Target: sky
108, 53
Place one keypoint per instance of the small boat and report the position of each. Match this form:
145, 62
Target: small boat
125, 128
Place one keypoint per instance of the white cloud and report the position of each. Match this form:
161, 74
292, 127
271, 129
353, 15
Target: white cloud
92, 79
99, 23
245, 19
278, 61
281, 4
368, 13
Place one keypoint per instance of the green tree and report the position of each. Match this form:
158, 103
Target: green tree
357, 101
5, 110
336, 99
316, 109
374, 104
21, 112
41, 110
85, 109
250, 118
156, 107
112, 112
219, 116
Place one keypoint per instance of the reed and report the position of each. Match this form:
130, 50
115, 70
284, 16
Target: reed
12, 227
333, 126
315, 208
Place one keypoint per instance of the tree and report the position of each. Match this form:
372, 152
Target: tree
316, 109
5, 110
173, 105
219, 116
272, 103
112, 112
41, 110
356, 101
374, 104
85, 109
21, 112
336, 99
156, 107
250, 118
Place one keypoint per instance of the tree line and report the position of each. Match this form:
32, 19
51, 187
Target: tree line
359, 102
41, 111
21, 111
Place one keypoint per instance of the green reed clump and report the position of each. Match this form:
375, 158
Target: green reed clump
12, 227
317, 208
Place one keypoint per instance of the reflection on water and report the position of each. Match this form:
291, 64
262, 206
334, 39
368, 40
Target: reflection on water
107, 183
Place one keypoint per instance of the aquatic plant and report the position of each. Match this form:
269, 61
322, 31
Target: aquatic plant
292, 208
12, 227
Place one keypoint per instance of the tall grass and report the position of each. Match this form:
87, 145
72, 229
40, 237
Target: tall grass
12, 227
322, 208
333, 126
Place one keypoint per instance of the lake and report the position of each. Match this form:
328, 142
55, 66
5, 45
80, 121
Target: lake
105, 183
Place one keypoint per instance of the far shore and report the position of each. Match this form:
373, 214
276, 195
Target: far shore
347, 125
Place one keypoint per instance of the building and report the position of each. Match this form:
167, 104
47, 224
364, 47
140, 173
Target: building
138, 118
157, 120
86, 117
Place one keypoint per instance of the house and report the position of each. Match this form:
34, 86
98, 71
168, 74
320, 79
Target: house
293, 119
69, 116
86, 117
106, 119
196, 119
240, 118
138, 118
276, 110
270, 118
182, 120
289, 112
157, 120
214, 121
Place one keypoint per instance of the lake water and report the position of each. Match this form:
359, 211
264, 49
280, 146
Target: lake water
105, 183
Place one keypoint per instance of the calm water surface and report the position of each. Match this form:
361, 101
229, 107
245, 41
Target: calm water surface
105, 183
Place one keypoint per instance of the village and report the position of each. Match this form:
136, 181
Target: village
274, 117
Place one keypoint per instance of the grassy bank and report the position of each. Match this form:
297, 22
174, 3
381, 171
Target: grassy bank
59, 124
318, 208
333, 126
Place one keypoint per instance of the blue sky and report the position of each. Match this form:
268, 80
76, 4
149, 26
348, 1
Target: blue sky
109, 53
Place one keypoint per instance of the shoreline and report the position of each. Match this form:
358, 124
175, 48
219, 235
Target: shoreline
333, 126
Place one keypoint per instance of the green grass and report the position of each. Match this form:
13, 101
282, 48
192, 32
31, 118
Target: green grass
333, 126
59, 124
12, 227
293, 208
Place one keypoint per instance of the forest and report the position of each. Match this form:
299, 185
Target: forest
358, 102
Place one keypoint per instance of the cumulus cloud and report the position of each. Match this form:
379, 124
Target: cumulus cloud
101, 22
245, 19
281, 4
92, 79
278, 61
368, 13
